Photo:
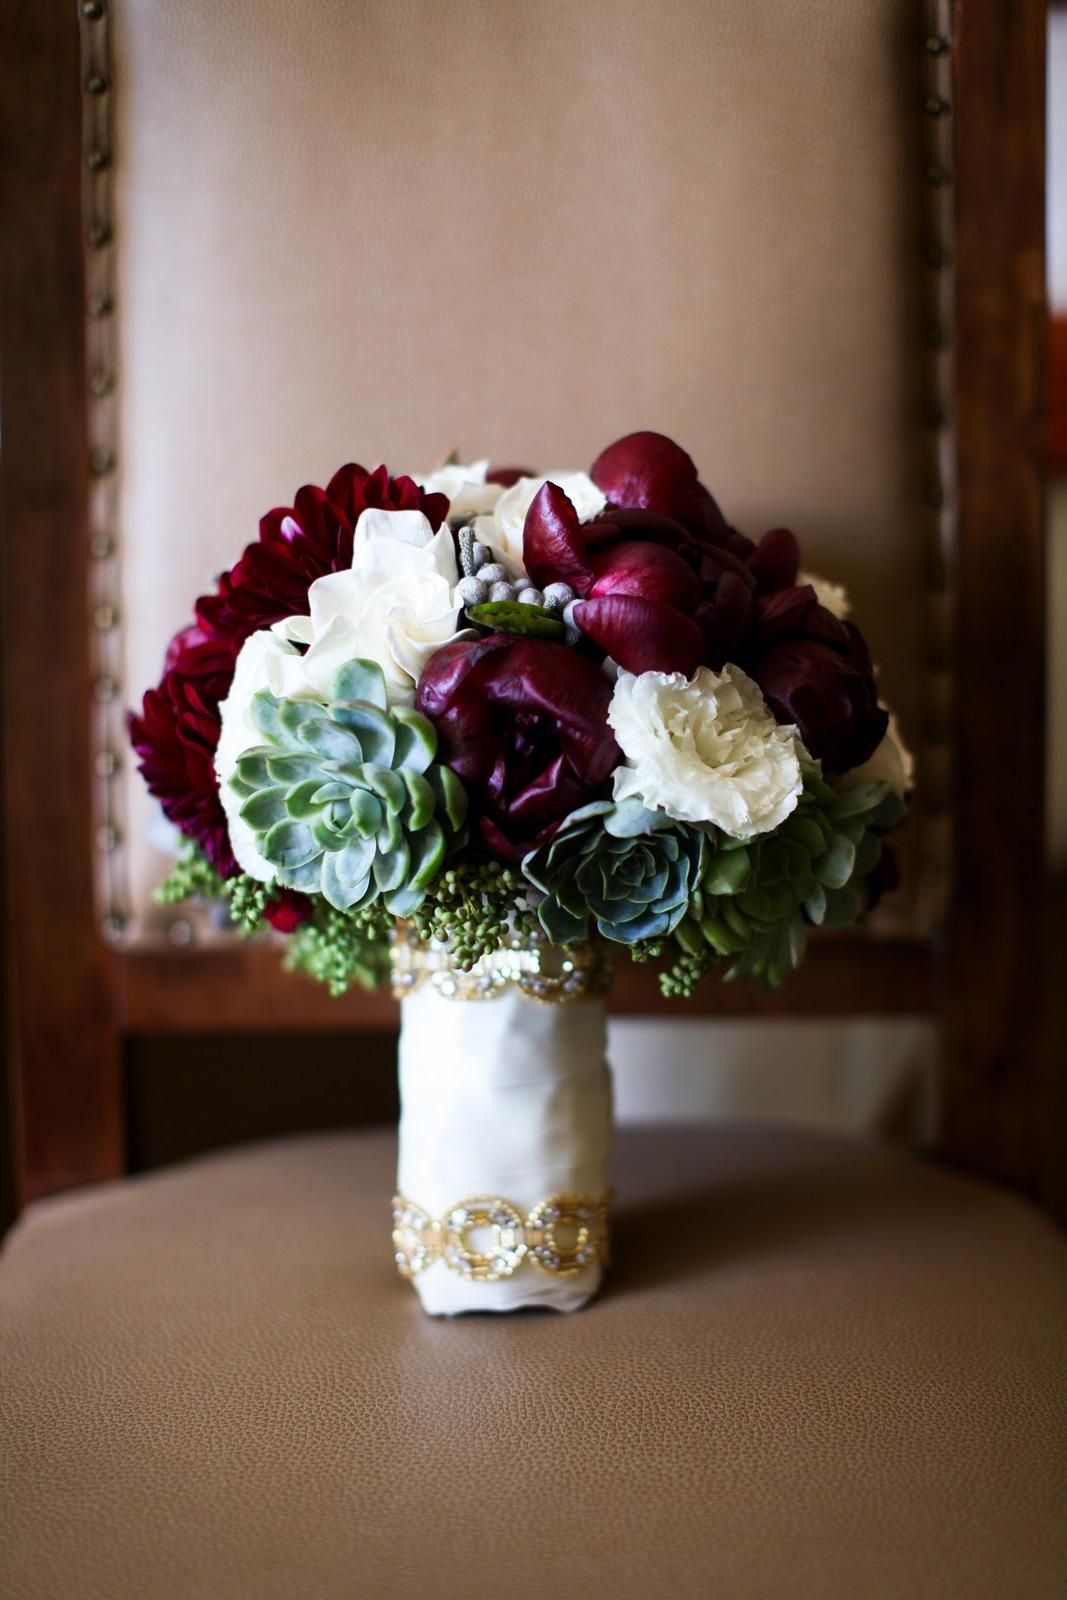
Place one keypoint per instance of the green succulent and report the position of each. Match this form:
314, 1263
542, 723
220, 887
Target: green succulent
631, 870
346, 800
757, 897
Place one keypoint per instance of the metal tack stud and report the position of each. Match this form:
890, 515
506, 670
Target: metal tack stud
99, 234
97, 159
107, 837
101, 546
105, 689
105, 616
935, 45
102, 462
101, 305
92, 10
96, 83
105, 763
101, 383
113, 926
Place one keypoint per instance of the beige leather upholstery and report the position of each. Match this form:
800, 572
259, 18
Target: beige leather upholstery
821, 1371
384, 228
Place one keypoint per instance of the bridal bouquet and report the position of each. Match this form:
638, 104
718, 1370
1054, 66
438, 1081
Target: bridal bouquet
492, 704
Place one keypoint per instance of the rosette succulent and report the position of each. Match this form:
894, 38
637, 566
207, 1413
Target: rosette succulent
630, 870
346, 799
756, 897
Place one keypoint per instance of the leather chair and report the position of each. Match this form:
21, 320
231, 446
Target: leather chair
806, 239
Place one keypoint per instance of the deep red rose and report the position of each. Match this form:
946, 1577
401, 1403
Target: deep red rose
649, 472
176, 737
300, 543
524, 724
640, 591
288, 911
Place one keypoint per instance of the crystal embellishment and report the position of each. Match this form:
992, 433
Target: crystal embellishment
564, 1235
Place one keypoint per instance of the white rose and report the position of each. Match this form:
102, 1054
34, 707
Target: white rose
891, 763
834, 596
464, 483
503, 530
706, 749
394, 606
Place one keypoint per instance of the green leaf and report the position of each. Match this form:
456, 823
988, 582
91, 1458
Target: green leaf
427, 855
302, 801
861, 797
815, 904
264, 809
451, 795
835, 868
294, 714
345, 878
727, 872
265, 714
416, 740
252, 768
510, 616
360, 680
388, 786
562, 926
367, 812
293, 769
392, 867
423, 801
723, 940
330, 791
373, 730
402, 902
807, 832
332, 742
290, 844
328, 838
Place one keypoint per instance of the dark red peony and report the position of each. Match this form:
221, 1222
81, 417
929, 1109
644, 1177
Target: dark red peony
649, 472
816, 671
639, 591
524, 724
300, 543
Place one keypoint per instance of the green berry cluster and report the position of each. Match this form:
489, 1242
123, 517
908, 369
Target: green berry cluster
340, 948
473, 907
191, 877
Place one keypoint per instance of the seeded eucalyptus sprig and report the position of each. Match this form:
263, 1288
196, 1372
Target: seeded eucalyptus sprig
340, 948
474, 907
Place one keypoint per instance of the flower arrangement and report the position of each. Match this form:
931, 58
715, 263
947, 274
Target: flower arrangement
496, 702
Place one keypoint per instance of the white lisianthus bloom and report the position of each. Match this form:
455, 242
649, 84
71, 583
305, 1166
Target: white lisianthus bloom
891, 763
464, 483
705, 749
834, 596
393, 606
503, 530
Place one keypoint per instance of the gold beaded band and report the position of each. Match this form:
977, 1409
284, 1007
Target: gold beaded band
540, 969
419, 1241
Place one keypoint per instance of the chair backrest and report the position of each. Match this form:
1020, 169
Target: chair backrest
777, 232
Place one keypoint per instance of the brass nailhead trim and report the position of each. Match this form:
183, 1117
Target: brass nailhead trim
103, 614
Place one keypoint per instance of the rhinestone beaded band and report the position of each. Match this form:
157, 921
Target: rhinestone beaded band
540, 969
419, 1240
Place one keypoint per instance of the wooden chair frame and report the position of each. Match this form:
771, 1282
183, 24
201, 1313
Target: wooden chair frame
71, 999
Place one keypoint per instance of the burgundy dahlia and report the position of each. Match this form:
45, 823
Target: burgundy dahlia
176, 737
300, 543
523, 722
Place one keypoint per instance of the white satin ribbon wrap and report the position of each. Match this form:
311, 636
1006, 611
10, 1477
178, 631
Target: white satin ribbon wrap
510, 1098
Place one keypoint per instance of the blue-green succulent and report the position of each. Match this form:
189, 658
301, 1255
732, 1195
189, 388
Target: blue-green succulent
346, 799
628, 870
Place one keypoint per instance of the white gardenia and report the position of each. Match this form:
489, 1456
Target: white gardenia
464, 483
503, 529
705, 749
394, 606
834, 596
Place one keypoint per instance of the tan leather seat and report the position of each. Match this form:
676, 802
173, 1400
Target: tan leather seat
821, 1370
